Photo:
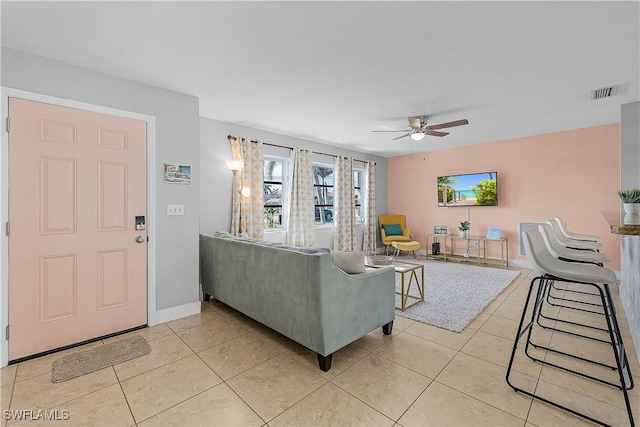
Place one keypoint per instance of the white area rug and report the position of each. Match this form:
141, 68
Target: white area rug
454, 293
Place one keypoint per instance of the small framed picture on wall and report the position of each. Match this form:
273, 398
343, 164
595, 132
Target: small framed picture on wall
177, 174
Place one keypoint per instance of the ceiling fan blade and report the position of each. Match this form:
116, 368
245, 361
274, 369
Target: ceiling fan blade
402, 136
436, 133
405, 130
449, 124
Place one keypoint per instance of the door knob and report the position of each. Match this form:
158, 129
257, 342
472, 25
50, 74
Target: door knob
139, 239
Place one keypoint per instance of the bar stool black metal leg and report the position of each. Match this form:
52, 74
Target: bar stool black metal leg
622, 366
557, 319
519, 334
626, 379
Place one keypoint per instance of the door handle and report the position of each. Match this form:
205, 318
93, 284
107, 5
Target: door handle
139, 239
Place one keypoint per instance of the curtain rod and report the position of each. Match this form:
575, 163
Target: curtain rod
314, 152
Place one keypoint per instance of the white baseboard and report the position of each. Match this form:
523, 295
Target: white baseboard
173, 313
519, 263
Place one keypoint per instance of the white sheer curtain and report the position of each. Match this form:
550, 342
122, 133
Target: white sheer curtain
370, 228
247, 215
344, 238
301, 229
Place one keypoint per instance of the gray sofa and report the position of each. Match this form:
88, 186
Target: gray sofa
298, 292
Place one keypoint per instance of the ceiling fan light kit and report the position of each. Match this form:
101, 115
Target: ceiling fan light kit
417, 136
419, 128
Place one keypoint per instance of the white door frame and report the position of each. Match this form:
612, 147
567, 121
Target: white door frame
4, 200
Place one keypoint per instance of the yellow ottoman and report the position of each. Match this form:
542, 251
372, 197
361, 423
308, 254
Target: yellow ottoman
406, 247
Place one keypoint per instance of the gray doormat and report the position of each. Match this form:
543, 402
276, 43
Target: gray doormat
85, 362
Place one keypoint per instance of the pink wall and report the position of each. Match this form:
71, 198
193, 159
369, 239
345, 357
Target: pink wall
572, 174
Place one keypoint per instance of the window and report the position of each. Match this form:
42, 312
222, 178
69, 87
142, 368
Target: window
323, 182
323, 189
276, 193
274, 172
358, 193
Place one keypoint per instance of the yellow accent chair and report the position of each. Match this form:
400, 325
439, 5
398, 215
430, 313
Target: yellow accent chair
387, 223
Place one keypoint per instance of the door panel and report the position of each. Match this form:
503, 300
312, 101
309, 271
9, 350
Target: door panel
58, 287
58, 206
77, 180
112, 278
112, 196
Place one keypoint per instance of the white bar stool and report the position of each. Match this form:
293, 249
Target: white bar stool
564, 253
570, 255
575, 236
558, 244
570, 243
550, 269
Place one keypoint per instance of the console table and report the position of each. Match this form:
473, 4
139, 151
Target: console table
474, 247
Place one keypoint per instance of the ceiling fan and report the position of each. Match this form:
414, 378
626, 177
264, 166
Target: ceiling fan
419, 128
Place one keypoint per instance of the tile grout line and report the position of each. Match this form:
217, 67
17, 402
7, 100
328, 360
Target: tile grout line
229, 386
524, 420
461, 352
197, 394
356, 397
13, 385
330, 381
298, 401
281, 353
125, 396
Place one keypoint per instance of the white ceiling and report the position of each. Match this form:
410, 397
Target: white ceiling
333, 71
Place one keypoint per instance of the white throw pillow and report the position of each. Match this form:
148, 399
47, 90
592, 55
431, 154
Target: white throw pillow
350, 262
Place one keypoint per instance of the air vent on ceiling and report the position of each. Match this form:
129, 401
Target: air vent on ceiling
604, 92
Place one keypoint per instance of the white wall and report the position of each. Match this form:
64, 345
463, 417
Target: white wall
216, 188
630, 145
177, 141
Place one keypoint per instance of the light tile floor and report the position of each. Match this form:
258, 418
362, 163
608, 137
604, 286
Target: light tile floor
220, 368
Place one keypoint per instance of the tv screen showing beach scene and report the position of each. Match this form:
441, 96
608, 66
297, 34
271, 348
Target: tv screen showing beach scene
472, 189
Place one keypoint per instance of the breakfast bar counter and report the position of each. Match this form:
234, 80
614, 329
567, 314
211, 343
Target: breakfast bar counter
628, 227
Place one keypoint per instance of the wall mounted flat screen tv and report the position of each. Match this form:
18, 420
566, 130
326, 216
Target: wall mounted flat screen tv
471, 189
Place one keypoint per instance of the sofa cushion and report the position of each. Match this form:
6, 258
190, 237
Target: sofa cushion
350, 262
314, 250
266, 243
392, 229
242, 237
224, 235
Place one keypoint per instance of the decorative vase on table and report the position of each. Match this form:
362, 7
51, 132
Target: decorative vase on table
464, 229
631, 219
631, 208
630, 200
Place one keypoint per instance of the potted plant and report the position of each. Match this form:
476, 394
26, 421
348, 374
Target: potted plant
464, 228
631, 200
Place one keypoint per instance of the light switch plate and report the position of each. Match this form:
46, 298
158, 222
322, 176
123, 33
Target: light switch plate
173, 210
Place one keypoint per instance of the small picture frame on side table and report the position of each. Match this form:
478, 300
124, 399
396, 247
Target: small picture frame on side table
494, 233
440, 229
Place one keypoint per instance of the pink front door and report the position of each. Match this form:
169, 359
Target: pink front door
77, 180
